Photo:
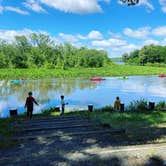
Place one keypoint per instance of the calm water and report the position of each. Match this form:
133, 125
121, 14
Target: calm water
119, 63
80, 92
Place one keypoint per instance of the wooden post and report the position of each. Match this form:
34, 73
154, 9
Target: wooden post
151, 105
122, 107
90, 107
13, 112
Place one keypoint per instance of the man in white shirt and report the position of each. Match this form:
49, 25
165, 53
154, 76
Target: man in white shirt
62, 105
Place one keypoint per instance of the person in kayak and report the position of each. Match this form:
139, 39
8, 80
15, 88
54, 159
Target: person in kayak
29, 104
124, 77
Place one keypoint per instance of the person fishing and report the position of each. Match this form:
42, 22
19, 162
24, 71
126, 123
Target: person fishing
117, 104
62, 105
29, 105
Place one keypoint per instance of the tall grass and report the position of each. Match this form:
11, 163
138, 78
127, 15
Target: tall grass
114, 70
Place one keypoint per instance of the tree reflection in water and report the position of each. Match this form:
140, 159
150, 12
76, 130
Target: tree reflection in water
44, 90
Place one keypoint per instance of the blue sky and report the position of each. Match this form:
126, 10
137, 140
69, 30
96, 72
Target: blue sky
101, 24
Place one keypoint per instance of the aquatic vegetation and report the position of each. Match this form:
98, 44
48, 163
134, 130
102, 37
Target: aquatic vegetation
138, 105
112, 70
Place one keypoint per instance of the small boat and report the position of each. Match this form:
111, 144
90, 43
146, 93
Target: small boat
123, 78
162, 75
18, 81
97, 79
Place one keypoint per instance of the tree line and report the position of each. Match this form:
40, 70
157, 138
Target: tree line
40, 51
147, 55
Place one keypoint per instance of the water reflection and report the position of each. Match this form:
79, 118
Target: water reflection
120, 63
80, 92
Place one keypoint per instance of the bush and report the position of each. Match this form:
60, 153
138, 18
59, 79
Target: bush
48, 111
107, 108
138, 105
161, 106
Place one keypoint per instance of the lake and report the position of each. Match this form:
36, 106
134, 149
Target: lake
120, 63
80, 92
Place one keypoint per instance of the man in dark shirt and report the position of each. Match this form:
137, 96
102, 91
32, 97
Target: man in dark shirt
29, 104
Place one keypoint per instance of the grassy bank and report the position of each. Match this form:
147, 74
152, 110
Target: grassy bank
114, 70
141, 127
5, 127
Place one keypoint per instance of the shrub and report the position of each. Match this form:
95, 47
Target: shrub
161, 106
48, 111
138, 105
107, 108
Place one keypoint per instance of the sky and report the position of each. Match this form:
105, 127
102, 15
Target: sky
100, 24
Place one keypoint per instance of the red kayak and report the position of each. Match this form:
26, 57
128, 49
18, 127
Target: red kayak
97, 79
162, 75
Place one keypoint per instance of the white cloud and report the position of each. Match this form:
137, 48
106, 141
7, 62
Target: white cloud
78, 44
34, 5
146, 3
74, 6
130, 47
95, 39
114, 35
109, 43
68, 6
15, 9
140, 33
9, 35
118, 51
91, 35
68, 37
126, 48
151, 41
107, 1
102, 43
74, 38
1, 9
163, 42
81, 37
94, 35
163, 5
159, 31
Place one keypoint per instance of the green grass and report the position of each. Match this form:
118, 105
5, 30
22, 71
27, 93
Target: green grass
141, 127
6, 132
5, 127
114, 70
127, 119
115, 119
